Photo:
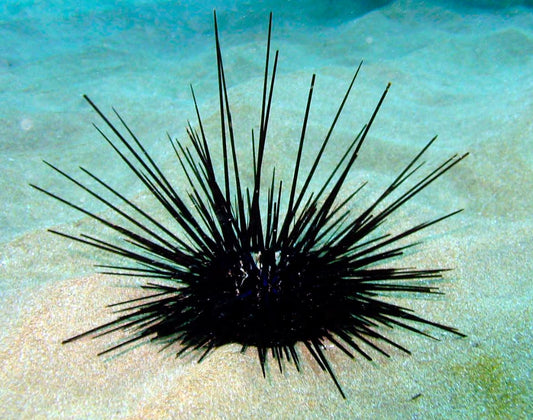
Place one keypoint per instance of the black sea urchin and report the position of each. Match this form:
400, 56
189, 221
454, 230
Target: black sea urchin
226, 269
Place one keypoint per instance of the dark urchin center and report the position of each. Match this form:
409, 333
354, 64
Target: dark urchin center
265, 298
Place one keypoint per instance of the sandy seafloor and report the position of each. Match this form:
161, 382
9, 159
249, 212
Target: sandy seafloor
463, 72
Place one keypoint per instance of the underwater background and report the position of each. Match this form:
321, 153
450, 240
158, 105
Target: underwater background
459, 69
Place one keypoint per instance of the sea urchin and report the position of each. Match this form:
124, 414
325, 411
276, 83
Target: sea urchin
230, 265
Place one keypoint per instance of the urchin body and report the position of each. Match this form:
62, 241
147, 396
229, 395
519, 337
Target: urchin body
223, 270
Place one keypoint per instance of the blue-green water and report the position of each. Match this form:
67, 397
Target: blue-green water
463, 70
141, 57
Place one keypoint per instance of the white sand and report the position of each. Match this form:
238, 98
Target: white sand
467, 77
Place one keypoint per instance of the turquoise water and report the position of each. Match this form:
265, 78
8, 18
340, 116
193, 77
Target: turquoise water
463, 70
141, 57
